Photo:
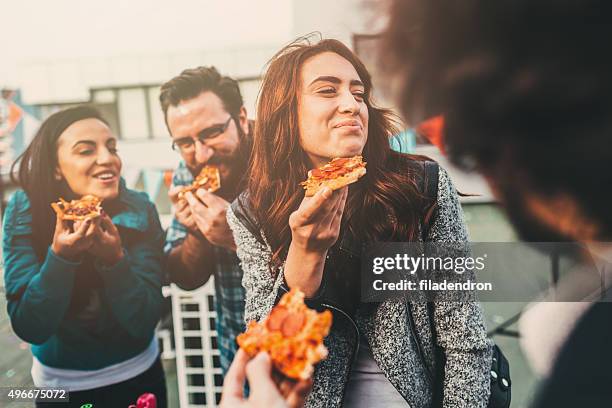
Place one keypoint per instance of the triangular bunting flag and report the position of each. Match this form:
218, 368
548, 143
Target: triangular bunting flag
131, 176
153, 180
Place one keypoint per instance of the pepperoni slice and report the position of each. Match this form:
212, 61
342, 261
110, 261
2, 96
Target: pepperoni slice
276, 318
292, 324
340, 161
316, 173
338, 167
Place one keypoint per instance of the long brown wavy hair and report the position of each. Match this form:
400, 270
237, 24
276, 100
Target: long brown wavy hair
385, 205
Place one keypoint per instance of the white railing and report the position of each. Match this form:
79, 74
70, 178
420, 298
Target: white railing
198, 366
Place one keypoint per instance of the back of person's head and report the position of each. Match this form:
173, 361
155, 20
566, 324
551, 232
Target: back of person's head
525, 89
194, 81
34, 170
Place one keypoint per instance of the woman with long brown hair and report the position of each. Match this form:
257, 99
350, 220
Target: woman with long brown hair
315, 105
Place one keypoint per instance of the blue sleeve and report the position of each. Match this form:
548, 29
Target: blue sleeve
177, 232
175, 236
37, 295
133, 285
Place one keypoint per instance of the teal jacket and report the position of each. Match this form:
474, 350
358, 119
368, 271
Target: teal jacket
84, 315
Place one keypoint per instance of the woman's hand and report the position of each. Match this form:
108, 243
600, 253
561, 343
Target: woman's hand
69, 241
315, 225
107, 243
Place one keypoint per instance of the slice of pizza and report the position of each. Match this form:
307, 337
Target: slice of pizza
209, 179
292, 334
336, 174
88, 206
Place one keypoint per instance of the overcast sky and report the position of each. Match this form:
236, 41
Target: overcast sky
39, 30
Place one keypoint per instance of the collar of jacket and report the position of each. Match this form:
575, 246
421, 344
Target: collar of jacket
132, 212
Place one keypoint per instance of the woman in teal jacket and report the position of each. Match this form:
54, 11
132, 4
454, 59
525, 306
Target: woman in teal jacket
85, 294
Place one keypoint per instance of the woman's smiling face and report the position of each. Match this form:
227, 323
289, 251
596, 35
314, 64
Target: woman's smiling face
332, 113
87, 159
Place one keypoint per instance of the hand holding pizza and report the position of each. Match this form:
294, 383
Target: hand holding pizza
265, 393
209, 213
315, 225
71, 239
182, 210
173, 194
107, 242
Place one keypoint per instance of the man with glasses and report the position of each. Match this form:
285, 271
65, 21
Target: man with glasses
208, 124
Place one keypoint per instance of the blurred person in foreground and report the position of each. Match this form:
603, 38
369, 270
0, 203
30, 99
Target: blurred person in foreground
525, 90
207, 120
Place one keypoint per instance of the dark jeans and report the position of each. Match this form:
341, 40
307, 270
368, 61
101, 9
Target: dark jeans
119, 395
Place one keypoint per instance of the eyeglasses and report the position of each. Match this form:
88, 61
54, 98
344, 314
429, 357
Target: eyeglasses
185, 144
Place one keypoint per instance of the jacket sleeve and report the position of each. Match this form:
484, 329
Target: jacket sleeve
261, 287
133, 285
460, 326
38, 295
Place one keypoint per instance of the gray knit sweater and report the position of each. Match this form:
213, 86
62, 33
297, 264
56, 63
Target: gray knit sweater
460, 326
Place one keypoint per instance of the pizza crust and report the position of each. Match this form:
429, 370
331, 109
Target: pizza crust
338, 183
66, 210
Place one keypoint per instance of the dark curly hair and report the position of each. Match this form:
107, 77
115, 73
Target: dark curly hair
525, 89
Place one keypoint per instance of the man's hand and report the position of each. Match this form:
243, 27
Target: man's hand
182, 211
264, 393
209, 211
187, 261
